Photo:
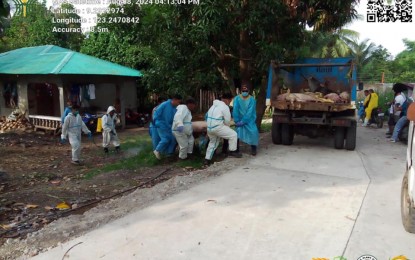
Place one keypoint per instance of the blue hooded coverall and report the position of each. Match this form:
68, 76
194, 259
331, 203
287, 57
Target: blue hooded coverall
245, 110
163, 120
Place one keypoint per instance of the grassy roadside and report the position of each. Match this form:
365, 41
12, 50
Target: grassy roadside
142, 145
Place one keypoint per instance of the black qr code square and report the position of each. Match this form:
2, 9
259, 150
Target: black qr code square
389, 11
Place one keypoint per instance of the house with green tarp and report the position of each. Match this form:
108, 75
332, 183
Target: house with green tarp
40, 79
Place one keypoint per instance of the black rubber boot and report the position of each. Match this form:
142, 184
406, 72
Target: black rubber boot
235, 154
207, 162
237, 146
225, 146
117, 149
253, 150
106, 150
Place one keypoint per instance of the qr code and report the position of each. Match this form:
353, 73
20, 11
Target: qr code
389, 11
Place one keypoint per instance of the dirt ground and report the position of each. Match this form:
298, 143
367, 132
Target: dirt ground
45, 200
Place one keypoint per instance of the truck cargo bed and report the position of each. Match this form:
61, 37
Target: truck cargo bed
312, 106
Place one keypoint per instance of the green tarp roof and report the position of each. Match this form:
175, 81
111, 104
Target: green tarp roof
50, 59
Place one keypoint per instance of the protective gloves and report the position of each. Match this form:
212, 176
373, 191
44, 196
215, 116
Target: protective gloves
180, 129
63, 140
240, 123
90, 135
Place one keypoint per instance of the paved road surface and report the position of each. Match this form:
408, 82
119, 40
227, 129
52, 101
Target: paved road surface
299, 202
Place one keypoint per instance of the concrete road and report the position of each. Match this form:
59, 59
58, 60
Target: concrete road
299, 202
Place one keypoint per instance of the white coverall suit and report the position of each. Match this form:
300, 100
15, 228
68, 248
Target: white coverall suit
218, 120
108, 126
72, 126
183, 117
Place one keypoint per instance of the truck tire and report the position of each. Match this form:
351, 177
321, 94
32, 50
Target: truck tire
276, 133
407, 207
287, 132
339, 133
351, 137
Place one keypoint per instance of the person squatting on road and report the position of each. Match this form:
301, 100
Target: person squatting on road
371, 102
163, 120
152, 130
244, 114
72, 127
218, 120
182, 128
109, 134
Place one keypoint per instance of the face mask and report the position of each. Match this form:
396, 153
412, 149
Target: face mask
75, 113
245, 94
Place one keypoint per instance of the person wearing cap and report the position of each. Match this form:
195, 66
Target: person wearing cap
109, 134
182, 128
218, 120
72, 128
163, 120
244, 114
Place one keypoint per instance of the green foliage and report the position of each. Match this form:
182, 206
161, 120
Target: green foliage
37, 28
379, 63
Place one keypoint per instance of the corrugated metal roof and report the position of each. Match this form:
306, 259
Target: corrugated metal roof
50, 59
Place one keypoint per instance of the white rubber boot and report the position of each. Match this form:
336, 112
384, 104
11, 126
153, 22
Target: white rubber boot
366, 122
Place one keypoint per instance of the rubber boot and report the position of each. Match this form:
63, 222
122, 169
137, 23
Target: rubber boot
117, 149
366, 122
225, 147
253, 150
106, 150
237, 146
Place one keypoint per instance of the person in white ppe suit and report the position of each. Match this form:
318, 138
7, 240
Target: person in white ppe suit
72, 127
182, 128
109, 134
218, 119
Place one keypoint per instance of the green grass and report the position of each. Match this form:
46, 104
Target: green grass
266, 127
145, 158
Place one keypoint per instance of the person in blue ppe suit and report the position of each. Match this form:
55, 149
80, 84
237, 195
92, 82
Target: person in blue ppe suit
163, 120
152, 130
72, 127
67, 110
244, 114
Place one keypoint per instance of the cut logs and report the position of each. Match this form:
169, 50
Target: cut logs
15, 121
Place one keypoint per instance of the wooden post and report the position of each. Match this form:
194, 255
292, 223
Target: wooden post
383, 77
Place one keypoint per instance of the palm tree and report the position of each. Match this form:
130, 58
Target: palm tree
362, 53
329, 44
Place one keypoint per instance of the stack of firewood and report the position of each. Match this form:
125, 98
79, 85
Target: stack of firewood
16, 120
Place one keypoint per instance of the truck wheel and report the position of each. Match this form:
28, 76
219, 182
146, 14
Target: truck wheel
407, 207
287, 132
276, 133
351, 137
339, 137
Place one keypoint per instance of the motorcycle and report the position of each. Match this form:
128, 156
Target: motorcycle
377, 117
90, 121
141, 119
